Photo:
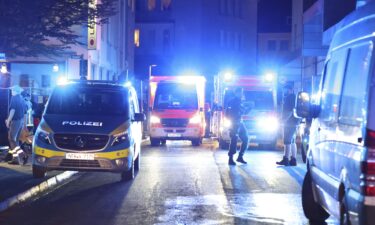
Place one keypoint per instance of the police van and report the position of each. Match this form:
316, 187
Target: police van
340, 178
89, 126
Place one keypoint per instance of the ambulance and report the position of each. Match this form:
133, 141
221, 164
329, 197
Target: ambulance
176, 109
261, 122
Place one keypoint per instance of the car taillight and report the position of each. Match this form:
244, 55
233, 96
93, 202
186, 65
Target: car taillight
368, 166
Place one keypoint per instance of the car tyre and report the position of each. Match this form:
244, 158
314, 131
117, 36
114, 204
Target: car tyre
38, 172
196, 142
155, 141
312, 210
344, 214
129, 174
137, 163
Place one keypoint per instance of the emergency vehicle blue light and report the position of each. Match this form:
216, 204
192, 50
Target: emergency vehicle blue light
62, 80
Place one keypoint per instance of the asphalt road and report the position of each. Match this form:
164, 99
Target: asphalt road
177, 184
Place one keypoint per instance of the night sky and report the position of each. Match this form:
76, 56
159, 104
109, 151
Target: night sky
274, 16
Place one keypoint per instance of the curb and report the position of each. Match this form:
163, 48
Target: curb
45, 185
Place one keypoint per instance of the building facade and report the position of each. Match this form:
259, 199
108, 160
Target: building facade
314, 24
107, 53
195, 37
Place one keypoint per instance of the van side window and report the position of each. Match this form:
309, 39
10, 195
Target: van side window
131, 105
353, 104
135, 102
332, 87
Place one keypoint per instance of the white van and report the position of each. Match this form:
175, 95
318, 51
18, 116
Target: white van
340, 178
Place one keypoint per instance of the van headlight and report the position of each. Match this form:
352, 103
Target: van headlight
195, 119
154, 119
43, 136
227, 123
268, 124
120, 138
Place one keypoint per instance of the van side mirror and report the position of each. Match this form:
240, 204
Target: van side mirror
302, 106
139, 117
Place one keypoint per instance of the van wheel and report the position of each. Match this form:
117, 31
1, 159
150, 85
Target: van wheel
344, 214
155, 141
129, 174
196, 142
137, 162
313, 211
38, 172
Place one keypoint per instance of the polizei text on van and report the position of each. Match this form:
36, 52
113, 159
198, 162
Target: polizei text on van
82, 123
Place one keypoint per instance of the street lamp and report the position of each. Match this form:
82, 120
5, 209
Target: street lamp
150, 70
4, 68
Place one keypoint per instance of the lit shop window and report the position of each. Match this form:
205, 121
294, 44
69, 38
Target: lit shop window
151, 4
166, 5
136, 37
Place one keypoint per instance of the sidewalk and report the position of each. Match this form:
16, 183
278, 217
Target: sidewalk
18, 184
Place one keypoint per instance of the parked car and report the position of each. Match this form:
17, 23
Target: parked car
89, 126
340, 178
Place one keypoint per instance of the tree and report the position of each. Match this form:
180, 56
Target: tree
47, 27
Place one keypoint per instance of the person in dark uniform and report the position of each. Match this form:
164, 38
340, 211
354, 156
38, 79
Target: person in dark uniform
290, 127
235, 109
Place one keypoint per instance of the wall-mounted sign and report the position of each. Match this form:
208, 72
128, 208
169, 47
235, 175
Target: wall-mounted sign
91, 30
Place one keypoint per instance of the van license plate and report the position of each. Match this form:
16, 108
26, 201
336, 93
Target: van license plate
80, 156
174, 135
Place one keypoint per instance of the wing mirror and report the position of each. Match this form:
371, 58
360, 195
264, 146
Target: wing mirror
139, 117
303, 105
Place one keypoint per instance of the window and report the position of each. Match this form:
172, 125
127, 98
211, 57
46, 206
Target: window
332, 86
24, 80
236, 41
136, 38
271, 45
230, 7
166, 39
222, 38
101, 73
353, 103
284, 45
151, 5
46, 81
222, 7
166, 5
152, 38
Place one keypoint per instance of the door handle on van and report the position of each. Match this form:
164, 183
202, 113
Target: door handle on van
360, 139
319, 129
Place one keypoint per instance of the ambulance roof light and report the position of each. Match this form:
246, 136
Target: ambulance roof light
62, 80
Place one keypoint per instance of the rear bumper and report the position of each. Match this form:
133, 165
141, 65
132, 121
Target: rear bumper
180, 133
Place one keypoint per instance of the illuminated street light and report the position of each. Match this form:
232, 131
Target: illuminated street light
270, 76
55, 68
4, 68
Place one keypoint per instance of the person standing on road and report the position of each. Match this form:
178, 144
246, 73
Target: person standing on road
235, 110
290, 127
15, 122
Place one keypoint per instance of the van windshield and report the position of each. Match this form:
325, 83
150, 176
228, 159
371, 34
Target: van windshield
262, 100
88, 101
176, 96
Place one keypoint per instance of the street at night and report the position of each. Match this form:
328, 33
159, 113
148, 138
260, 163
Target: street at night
174, 112
177, 184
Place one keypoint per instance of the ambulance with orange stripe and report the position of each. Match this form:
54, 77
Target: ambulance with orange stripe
261, 122
176, 109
